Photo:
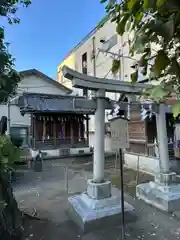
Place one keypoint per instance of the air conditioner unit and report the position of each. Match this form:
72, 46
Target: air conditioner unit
110, 43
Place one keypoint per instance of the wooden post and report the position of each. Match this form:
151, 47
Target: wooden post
44, 129
33, 131
72, 130
54, 130
87, 128
81, 129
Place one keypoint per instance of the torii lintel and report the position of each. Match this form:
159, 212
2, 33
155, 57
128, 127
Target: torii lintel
80, 80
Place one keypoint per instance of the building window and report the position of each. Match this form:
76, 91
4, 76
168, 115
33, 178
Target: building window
84, 63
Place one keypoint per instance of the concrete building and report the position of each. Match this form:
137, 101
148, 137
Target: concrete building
90, 56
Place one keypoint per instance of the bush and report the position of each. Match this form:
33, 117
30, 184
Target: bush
10, 215
9, 153
17, 141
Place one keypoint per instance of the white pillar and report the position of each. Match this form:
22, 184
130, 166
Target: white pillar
98, 165
162, 139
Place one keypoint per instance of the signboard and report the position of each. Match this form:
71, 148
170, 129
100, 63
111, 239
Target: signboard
119, 134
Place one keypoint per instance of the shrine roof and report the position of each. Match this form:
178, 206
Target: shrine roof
49, 103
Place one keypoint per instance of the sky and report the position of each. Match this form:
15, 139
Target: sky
47, 32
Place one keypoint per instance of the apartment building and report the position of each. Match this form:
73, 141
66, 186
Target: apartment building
94, 55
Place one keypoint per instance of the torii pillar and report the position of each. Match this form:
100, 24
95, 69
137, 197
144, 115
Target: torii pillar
100, 205
164, 191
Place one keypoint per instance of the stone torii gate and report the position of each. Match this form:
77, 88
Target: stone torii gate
99, 203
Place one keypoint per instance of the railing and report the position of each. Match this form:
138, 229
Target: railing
60, 143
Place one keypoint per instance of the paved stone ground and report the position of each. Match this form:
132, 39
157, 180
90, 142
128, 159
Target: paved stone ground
44, 194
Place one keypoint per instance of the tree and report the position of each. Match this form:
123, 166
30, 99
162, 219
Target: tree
153, 23
9, 78
10, 217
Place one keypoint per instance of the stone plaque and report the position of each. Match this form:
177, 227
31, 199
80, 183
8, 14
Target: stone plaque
119, 134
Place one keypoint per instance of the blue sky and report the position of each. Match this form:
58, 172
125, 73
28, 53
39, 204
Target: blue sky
47, 32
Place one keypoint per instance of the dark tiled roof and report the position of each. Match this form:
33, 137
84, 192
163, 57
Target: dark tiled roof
48, 103
45, 77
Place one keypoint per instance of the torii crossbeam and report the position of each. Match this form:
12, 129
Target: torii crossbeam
80, 80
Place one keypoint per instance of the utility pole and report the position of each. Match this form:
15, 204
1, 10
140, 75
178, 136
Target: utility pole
8, 117
94, 56
9, 103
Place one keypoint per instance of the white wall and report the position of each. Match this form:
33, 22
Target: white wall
28, 84
146, 164
38, 85
15, 116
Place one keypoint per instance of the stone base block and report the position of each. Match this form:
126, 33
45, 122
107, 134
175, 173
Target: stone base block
166, 198
98, 190
90, 214
166, 178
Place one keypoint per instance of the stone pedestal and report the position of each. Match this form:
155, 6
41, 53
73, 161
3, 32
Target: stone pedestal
163, 193
98, 208
98, 190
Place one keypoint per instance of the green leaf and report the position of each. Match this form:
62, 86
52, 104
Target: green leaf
160, 3
168, 29
115, 66
128, 25
161, 62
175, 67
134, 76
131, 4
158, 93
139, 17
177, 18
143, 60
146, 4
120, 28
176, 109
149, 4
140, 42
103, 1
164, 29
